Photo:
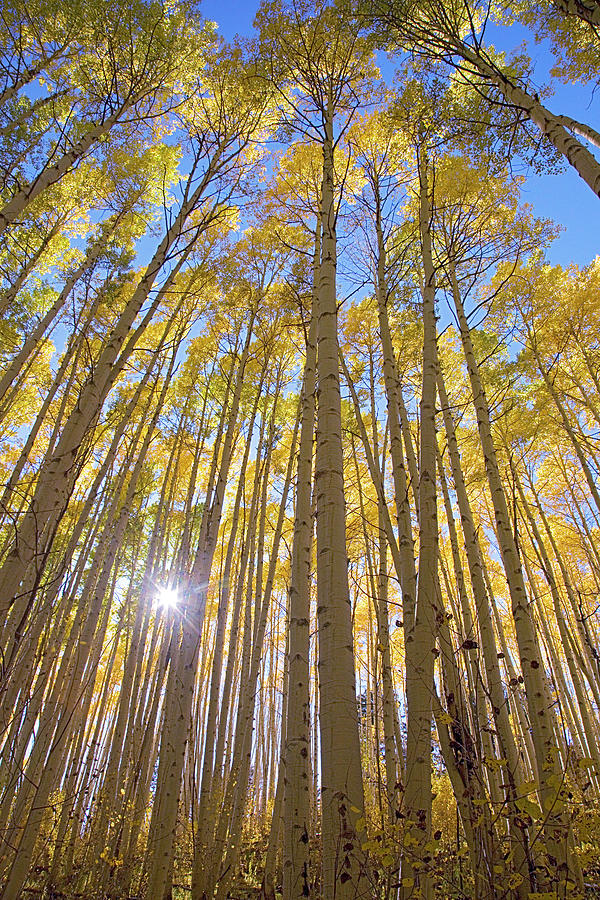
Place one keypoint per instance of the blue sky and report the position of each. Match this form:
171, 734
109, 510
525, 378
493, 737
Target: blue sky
564, 198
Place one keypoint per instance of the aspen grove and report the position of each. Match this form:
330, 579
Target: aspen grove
299, 454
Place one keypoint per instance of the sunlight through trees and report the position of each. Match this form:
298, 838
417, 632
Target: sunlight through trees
300, 513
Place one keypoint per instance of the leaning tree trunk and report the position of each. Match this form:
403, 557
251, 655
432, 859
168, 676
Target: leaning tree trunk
555, 825
513, 768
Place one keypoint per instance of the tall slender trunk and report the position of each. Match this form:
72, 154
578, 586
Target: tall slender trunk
495, 687
249, 693
541, 710
58, 476
550, 124
51, 173
8, 296
341, 777
174, 737
296, 803
50, 315
420, 638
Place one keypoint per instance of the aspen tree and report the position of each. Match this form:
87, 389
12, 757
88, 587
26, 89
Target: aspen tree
25, 62
420, 637
381, 159
24, 608
508, 747
57, 633
314, 55
25, 661
539, 702
589, 651
148, 752
122, 771
296, 803
475, 688
60, 471
247, 700
174, 736
213, 831
133, 690
591, 737
277, 823
438, 33
136, 90
110, 231
209, 781
394, 754
577, 445
7, 297
266, 263
67, 720
341, 789
68, 364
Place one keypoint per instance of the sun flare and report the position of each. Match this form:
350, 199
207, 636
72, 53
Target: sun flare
167, 597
